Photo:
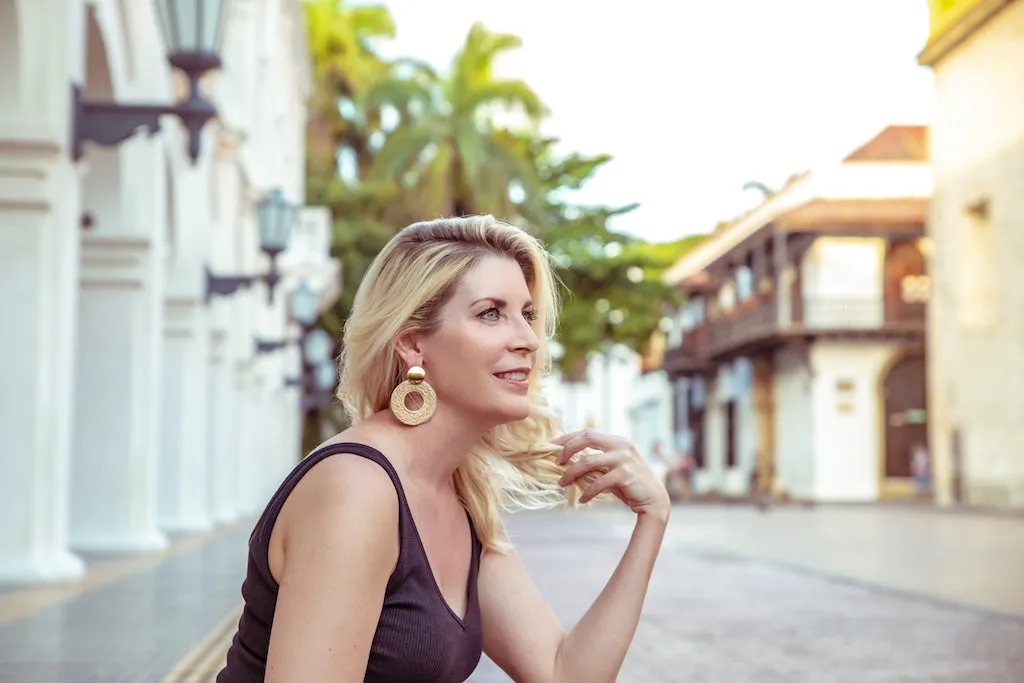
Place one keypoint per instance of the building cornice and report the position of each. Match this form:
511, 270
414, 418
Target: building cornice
952, 33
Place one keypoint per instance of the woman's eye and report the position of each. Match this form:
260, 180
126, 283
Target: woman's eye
491, 314
531, 316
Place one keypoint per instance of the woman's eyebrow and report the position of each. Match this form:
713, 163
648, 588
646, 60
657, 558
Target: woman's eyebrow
500, 303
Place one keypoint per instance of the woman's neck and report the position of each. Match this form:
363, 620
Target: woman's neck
427, 454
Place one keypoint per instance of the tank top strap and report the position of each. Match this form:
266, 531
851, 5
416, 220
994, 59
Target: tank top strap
259, 541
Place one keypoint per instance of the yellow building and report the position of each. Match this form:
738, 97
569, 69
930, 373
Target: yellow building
976, 220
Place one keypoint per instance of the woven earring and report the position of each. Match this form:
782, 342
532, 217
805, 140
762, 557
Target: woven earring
414, 384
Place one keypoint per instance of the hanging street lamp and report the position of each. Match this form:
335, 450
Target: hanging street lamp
192, 31
276, 218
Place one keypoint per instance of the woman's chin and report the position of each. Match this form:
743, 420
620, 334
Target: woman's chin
510, 411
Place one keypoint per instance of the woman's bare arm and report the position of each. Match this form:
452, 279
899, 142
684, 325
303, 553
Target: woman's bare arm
521, 633
524, 637
595, 649
340, 545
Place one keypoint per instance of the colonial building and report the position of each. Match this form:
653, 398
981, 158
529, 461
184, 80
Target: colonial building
133, 403
800, 355
976, 327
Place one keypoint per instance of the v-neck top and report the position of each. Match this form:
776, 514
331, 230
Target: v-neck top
419, 638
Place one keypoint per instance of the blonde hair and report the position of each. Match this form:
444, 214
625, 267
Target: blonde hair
513, 465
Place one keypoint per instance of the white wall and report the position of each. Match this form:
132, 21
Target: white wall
603, 399
975, 332
650, 414
846, 429
794, 415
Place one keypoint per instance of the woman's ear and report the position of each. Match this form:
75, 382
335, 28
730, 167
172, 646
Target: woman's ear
407, 346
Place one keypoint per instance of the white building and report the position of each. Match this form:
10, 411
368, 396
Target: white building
800, 352
618, 395
130, 407
976, 221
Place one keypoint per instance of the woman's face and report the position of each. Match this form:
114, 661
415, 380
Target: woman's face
480, 357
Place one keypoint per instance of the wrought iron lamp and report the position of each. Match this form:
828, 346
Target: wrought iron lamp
192, 33
276, 218
319, 374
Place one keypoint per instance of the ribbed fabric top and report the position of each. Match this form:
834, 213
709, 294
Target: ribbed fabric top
419, 638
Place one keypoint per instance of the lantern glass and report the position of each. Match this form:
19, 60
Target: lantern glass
318, 346
303, 304
191, 26
276, 217
325, 375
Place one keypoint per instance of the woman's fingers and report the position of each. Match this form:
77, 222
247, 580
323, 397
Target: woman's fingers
610, 480
574, 442
590, 463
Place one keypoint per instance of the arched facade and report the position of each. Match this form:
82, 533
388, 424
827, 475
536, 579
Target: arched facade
137, 408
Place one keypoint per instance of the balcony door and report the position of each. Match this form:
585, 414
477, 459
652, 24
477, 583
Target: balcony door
906, 283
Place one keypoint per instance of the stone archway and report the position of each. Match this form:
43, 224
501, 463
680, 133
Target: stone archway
101, 186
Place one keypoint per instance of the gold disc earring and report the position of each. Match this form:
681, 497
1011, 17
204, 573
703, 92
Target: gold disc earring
414, 384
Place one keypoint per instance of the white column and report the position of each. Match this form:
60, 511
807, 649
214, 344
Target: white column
118, 379
184, 481
249, 437
38, 285
224, 456
275, 422
291, 442
40, 55
714, 435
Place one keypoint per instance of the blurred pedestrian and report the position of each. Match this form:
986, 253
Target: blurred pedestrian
921, 470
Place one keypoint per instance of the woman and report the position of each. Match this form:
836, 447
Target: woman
382, 557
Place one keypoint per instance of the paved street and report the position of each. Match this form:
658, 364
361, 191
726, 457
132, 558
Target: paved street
819, 596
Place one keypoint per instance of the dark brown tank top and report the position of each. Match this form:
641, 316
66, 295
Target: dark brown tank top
419, 638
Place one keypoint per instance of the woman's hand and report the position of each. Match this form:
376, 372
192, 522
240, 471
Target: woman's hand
617, 468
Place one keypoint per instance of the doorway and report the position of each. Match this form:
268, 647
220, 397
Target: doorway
905, 415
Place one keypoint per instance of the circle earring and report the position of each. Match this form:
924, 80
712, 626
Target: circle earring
415, 383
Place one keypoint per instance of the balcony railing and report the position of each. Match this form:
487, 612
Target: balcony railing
759, 322
753, 320
834, 313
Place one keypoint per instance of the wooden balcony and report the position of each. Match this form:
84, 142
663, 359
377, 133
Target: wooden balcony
758, 325
689, 357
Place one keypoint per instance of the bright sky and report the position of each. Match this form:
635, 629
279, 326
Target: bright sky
695, 98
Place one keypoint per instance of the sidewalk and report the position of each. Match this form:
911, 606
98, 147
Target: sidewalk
966, 559
129, 620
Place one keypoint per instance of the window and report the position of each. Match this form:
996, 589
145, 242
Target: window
744, 283
727, 297
977, 276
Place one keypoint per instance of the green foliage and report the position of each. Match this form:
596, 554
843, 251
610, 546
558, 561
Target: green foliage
393, 142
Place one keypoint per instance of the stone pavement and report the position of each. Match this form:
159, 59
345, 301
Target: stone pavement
736, 596
968, 559
714, 615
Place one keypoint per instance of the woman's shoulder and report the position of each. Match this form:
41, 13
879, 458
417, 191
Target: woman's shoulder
348, 477
345, 492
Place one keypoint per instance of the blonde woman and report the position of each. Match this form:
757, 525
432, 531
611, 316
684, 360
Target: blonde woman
382, 556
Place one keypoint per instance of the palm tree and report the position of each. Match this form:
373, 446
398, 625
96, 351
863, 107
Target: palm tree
345, 66
448, 149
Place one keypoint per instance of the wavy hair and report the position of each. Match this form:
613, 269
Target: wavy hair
513, 465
